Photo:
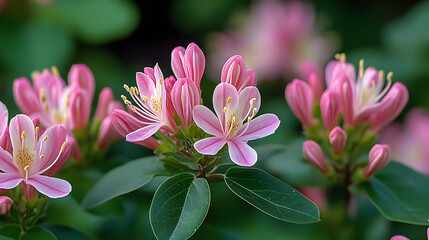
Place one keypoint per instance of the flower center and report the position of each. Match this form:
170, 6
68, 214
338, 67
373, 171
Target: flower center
156, 104
232, 125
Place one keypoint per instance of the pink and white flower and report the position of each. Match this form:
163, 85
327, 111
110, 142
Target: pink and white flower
233, 123
32, 156
185, 96
189, 63
150, 108
379, 156
236, 73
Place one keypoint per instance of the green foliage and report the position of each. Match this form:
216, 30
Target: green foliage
179, 206
12, 231
400, 194
271, 195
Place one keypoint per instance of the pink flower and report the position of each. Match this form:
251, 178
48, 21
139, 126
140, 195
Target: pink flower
185, 96
150, 105
233, 124
4, 130
314, 155
362, 98
275, 37
32, 156
105, 107
189, 63
379, 156
330, 106
5, 204
236, 73
409, 144
300, 99
338, 139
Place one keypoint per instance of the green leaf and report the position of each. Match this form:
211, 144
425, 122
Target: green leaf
179, 206
38, 233
66, 233
12, 231
400, 193
271, 196
123, 179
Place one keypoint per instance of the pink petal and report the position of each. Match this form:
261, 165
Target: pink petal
80, 108
244, 98
206, 120
81, 76
18, 124
221, 94
158, 74
143, 133
6, 162
104, 99
25, 96
56, 136
145, 84
259, 127
50, 186
209, 146
4, 118
241, 153
177, 56
9, 180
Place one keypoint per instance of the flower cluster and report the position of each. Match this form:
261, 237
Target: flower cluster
167, 111
347, 116
277, 39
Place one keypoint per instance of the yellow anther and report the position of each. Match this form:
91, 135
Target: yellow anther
136, 90
127, 88
361, 70
255, 111
42, 94
132, 91
134, 110
381, 76
34, 74
234, 119
373, 83
337, 56
123, 97
26, 168
161, 81
225, 109
340, 57
389, 76
361, 62
248, 119
127, 102
145, 98
45, 138
252, 101
42, 156
24, 135
229, 100
67, 101
55, 71
36, 130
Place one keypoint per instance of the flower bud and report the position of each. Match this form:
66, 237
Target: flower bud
26, 97
185, 96
300, 100
5, 204
177, 56
107, 134
194, 63
330, 105
314, 155
105, 97
80, 76
394, 102
234, 72
378, 157
125, 123
169, 83
80, 108
338, 139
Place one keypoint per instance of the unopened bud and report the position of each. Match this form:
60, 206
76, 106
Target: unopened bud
314, 155
338, 138
378, 158
5, 204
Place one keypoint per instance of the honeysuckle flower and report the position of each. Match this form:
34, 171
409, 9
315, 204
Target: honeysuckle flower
105, 107
338, 139
300, 99
5, 204
236, 73
409, 144
379, 156
189, 63
313, 73
185, 96
330, 106
362, 98
233, 123
4, 130
274, 38
125, 123
32, 156
150, 105
314, 155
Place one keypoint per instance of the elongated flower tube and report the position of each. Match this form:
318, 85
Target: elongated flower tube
338, 139
185, 96
5, 204
394, 103
300, 99
233, 123
150, 105
32, 156
4, 130
189, 63
314, 155
361, 98
236, 73
378, 158
330, 106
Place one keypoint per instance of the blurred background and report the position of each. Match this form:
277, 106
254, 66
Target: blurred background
117, 38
